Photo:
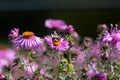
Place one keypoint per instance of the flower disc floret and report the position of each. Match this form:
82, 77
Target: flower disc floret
56, 41
28, 41
27, 34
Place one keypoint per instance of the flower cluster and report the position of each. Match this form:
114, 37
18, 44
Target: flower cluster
62, 55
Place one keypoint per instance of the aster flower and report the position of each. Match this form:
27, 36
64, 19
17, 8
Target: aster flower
95, 50
107, 37
75, 34
7, 54
102, 76
3, 63
2, 77
80, 55
14, 33
42, 47
44, 73
27, 41
70, 28
56, 42
92, 70
30, 67
114, 55
6, 57
56, 24
112, 36
91, 73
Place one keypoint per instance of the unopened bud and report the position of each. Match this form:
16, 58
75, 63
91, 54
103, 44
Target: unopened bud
105, 55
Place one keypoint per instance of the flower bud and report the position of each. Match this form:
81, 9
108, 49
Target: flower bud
105, 55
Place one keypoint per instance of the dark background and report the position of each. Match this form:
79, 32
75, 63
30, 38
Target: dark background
84, 15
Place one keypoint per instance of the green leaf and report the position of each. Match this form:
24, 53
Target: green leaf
117, 70
61, 78
22, 67
37, 72
34, 57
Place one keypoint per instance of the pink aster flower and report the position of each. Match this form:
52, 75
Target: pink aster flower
92, 70
27, 41
91, 73
6, 57
107, 37
30, 67
3, 62
2, 77
113, 35
56, 24
14, 33
6, 53
44, 73
70, 28
41, 48
57, 42
95, 50
102, 76
75, 34
80, 55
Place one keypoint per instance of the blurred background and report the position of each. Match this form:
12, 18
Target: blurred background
84, 15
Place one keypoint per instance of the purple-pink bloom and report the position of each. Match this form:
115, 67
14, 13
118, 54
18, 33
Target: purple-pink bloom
27, 41
95, 50
8, 54
56, 42
44, 73
113, 36
55, 24
102, 76
74, 34
2, 77
91, 73
92, 70
42, 47
30, 67
115, 33
14, 33
6, 57
3, 63
81, 55
107, 37
70, 28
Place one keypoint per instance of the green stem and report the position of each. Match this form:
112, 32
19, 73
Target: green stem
57, 58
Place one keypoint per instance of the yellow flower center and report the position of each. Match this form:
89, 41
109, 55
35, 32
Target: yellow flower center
56, 41
27, 34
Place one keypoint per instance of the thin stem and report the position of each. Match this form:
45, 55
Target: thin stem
57, 58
